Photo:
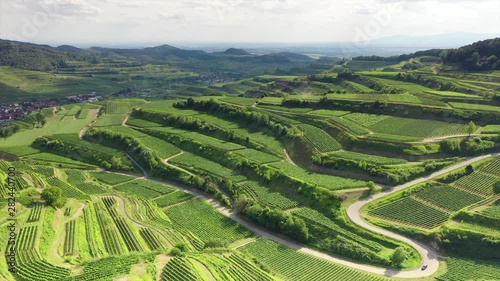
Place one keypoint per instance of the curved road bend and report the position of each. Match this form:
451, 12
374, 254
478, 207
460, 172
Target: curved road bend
429, 256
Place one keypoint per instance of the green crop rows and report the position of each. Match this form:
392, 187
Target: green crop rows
124, 228
493, 167
141, 123
110, 120
162, 148
172, 198
407, 127
319, 138
375, 159
144, 188
448, 197
190, 161
257, 156
207, 224
327, 181
69, 238
292, 265
121, 106
365, 119
35, 213
212, 141
493, 211
29, 265
411, 211
151, 239
177, 269
109, 267
315, 217
111, 178
464, 270
67, 190
267, 197
478, 183
113, 242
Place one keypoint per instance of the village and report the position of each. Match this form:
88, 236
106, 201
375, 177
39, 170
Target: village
18, 110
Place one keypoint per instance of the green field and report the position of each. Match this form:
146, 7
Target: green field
266, 196
292, 265
194, 163
326, 181
54, 125
406, 126
205, 223
375, 159
411, 211
476, 107
319, 138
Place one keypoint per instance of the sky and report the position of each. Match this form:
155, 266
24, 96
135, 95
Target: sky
135, 21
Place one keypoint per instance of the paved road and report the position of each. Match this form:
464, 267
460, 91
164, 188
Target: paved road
429, 256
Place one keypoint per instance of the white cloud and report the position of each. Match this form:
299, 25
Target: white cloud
243, 20
170, 16
70, 7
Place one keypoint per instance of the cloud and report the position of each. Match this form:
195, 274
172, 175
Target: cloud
363, 11
69, 7
170, 16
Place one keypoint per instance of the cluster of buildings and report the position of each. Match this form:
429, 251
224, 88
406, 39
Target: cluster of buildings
92, 97
18, 110
214, 79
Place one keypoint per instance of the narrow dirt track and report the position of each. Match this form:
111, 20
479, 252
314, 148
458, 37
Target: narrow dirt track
429, 256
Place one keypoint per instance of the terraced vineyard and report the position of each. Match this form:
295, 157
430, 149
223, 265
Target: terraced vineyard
200, 218
478, 183
267, 197
492, 168
111, 237
411, 211
152, 189
128, 235
291, 265
35, 213
193, 163
463, 270
315, 217
319, 138
172, 198
448, 197
177, 269
161, 147
111, 178
69, 239
257, 156
329, 182
375, 159
144, 188
493, 211
406, 126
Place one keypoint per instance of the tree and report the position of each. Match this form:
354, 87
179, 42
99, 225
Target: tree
51, 195
471, 128
372, 187
398, 256
469, 169
496, 187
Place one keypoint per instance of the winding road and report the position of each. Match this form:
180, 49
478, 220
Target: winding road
429, 256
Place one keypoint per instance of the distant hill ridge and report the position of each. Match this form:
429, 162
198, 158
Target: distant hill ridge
45, 58
481, 55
